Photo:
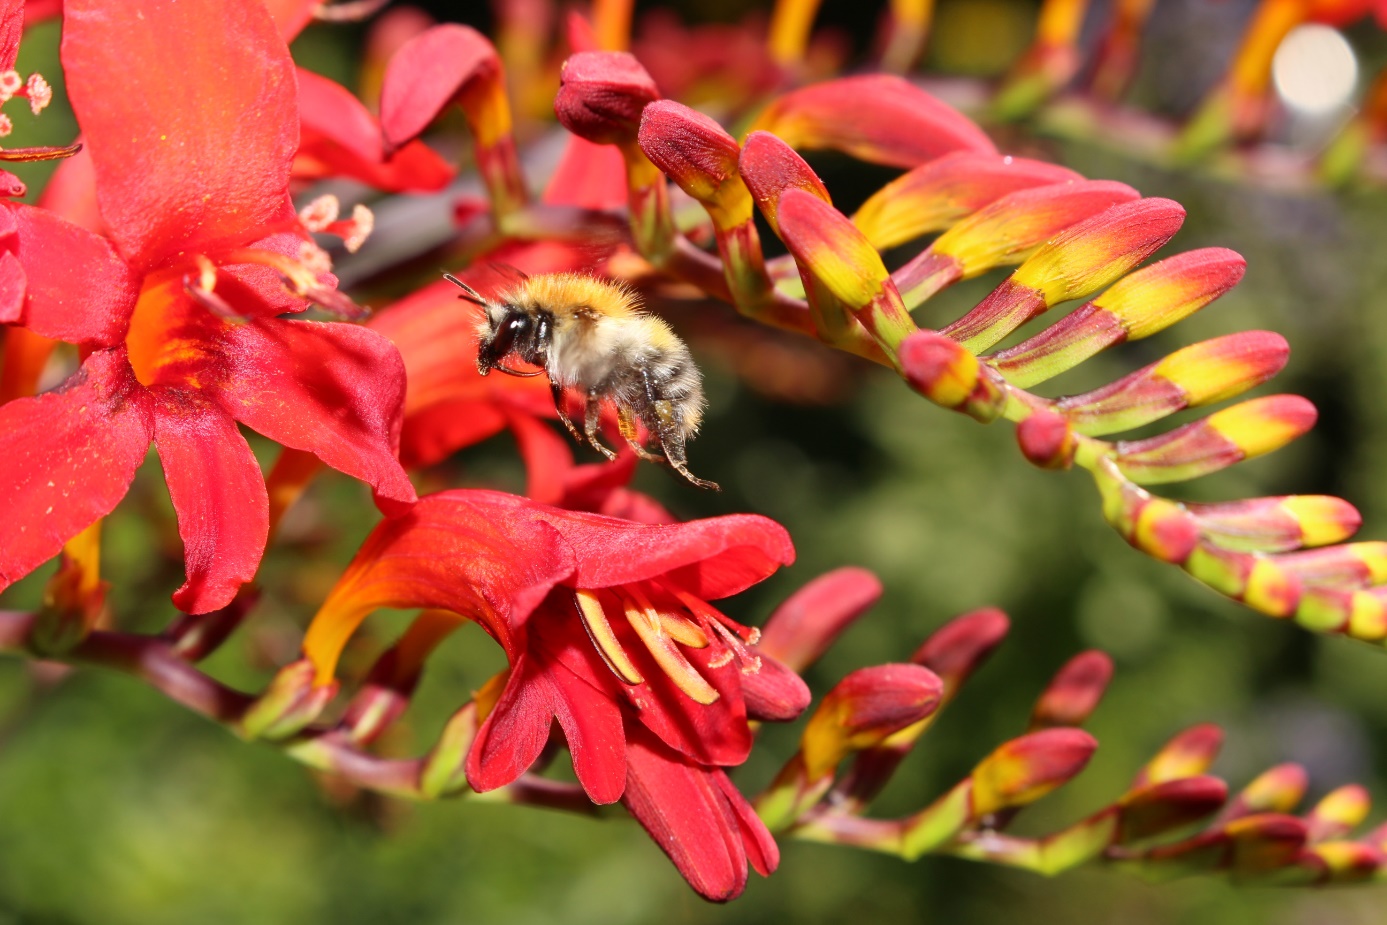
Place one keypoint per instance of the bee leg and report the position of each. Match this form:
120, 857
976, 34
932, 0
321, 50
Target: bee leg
590, 421
626, 420
672, 442
561, 407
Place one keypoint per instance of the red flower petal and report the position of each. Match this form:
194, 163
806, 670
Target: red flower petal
878, 118
335, 390
292, 15
66, 459
589, 175
78, 290
452, 551
11, 31
515, 733
219, 494
774, 692
339, 137
711, 559
12, 284
71, 192
427, 73
712, 734
186, 153
688, 811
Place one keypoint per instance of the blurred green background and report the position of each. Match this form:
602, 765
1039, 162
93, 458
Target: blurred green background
117, 806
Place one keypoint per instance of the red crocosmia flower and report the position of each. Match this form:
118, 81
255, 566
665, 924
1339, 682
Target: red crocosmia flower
175, 308
607, 629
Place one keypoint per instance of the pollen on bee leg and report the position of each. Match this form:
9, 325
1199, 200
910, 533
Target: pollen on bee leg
38, 91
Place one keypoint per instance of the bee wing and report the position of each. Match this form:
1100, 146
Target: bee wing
515, 274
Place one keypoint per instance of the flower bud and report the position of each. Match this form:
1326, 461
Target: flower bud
602, 94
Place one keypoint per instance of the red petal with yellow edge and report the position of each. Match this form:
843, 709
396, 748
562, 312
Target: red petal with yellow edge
185, 154
219, 494
335, 390
454, 551
878, 118
66, 459
689, 811
340, 137
427, 73
77, 289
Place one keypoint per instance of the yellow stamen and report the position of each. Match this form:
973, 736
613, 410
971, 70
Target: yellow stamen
646, 622
604, 639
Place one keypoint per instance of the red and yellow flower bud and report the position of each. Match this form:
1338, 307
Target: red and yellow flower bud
601, 97
701, 157
878, 118
1082, 259
1352, 565
946, 373
956, 649
770, 167
835, 254
946, 190
1005, 232
1188, 754
1139, 304
1338, 812
1074, 692
1278, 524
1275, 790
1047, 440
863, 710
1157, 808
1244, 431
290, 703
1200, 374
1027, 768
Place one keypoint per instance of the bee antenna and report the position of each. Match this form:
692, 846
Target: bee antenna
468, 292
509, 270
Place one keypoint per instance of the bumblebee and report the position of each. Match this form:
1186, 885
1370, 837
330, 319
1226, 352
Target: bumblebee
592, 336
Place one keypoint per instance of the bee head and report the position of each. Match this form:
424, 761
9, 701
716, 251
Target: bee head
506, 329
